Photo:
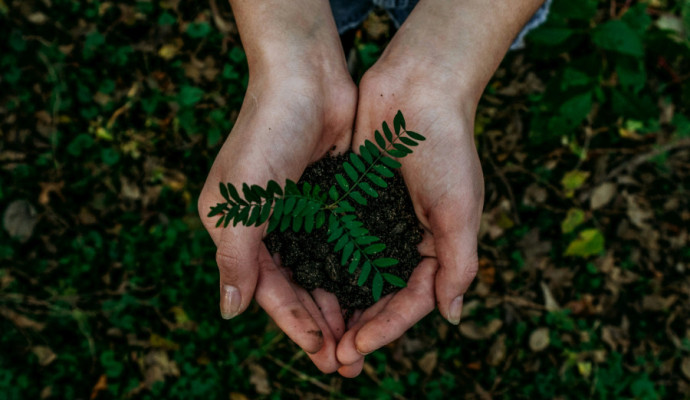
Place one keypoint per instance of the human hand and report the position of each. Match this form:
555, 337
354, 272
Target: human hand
446, 185
285, 123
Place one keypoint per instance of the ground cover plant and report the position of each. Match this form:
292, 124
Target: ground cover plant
111, 114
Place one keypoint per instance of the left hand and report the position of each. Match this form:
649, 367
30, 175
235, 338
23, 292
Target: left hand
446, 185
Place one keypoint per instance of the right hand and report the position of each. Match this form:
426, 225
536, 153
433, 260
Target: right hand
286, 122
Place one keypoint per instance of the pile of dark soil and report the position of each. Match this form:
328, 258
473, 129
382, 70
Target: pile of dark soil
312, 260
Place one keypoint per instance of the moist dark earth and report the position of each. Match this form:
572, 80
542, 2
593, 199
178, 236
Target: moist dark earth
312, 259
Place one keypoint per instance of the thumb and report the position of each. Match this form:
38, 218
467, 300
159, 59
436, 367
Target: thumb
237, 257
456, 248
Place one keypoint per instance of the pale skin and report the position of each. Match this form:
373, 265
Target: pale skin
301, 104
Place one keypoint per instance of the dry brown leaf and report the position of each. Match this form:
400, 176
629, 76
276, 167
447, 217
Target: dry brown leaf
602, 195
238, 396
549, 301
45, 355
656, 302
638, 211
539, 339
428, 362
102, 384
497, 352
50, 187
259, 378
19, 220
473, 331
616, 337
21, 321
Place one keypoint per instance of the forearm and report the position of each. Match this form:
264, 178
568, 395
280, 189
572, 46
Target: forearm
290, 35
467, 37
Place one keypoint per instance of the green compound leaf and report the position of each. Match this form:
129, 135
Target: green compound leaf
402, 148
366, 155
224, 192
342, 182
254, 215
306, 189
259, 192
265, 213
375, 248
350, 171
248, 194
347, 252
341, 243
385, 262
227, 222
398, 122
372, 148
365, 240
377, 180
220, 220
366, 188
357, 162
333, 193
345, 207
357, 196
291, 187
273, 224
300, 206
285, 222
320, 219
364, 273
297, 223
377, 286
242, 216
217, 209
309, 223
415, 136
235, 195
383, 171
391, 163
408, 141
394, 280
396, 153
379, 139
335, 233
274, 187
289, 205
386, 130
355, 262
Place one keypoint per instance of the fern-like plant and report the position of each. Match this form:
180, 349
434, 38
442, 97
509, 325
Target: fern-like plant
310, 207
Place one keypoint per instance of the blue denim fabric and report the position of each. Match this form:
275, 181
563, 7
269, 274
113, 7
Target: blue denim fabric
350, 13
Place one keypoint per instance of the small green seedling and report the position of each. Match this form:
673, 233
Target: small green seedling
308, 208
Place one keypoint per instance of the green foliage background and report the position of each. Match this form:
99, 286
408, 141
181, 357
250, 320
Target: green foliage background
111, 114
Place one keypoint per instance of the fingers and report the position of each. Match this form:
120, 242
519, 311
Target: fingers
388, 319
352, 370
330, 309
325, 359
276, 296
238, 264
456, 249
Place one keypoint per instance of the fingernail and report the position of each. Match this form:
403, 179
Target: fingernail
455, 310
361, 352
230, 303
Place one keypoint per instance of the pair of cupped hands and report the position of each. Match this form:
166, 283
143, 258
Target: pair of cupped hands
295, 114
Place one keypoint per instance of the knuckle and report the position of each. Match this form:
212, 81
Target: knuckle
227, 258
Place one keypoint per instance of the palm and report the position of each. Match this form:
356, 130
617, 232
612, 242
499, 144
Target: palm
278, 133
445, 182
